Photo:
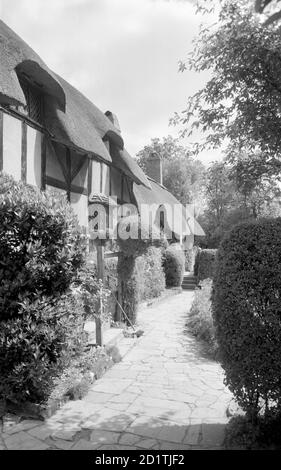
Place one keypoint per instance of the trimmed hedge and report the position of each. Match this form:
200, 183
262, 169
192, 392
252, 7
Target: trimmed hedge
204, 266
174, 263
246, 305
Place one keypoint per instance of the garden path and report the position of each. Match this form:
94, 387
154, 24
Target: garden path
163, 395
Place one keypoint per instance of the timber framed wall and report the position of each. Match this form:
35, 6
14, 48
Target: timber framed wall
28, 153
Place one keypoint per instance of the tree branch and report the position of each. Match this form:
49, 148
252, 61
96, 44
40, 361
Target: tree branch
275, 17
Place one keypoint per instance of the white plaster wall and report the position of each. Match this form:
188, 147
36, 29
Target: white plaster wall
79, 203
12, 132
105, 179
33, 157
96, 176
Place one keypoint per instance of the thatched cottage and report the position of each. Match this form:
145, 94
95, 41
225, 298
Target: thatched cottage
52, 136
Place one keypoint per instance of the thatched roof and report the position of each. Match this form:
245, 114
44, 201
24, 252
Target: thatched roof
180, 220
123, 160
17, 56
70, 117
82, 124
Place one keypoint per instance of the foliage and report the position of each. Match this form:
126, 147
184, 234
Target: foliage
174, 263
110, 280
182, 175
151, 276
264, 434
92, 294
239, 107
128, 279
246, 306
41, 245
35, 346
83, 370
234, 194
200, 321
131, 277
205, 264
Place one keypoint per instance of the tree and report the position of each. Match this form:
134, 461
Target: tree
235, 194
240, 106
183, 175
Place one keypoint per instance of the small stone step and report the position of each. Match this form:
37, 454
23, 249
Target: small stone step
191, 287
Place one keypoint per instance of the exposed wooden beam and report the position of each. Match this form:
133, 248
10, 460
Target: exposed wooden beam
62, 185
79, 167
56, 183
78, 189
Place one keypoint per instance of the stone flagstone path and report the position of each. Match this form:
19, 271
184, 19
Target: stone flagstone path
163, 395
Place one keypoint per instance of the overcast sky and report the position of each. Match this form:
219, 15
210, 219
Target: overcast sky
122, 54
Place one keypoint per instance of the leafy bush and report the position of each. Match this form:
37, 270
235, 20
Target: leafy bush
110, 280
90, 290
41, 251
204, 266
173, 262
34, 348
151, 276
41, 245
246, 306
200, 321
82, 371
264, 434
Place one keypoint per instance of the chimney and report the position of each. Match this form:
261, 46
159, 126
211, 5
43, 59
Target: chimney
113, 118
154, 167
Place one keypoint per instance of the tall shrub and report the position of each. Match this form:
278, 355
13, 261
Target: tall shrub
136, 241
204, 266
128, 279
41, 246
174, 263
246, 306
41, 250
